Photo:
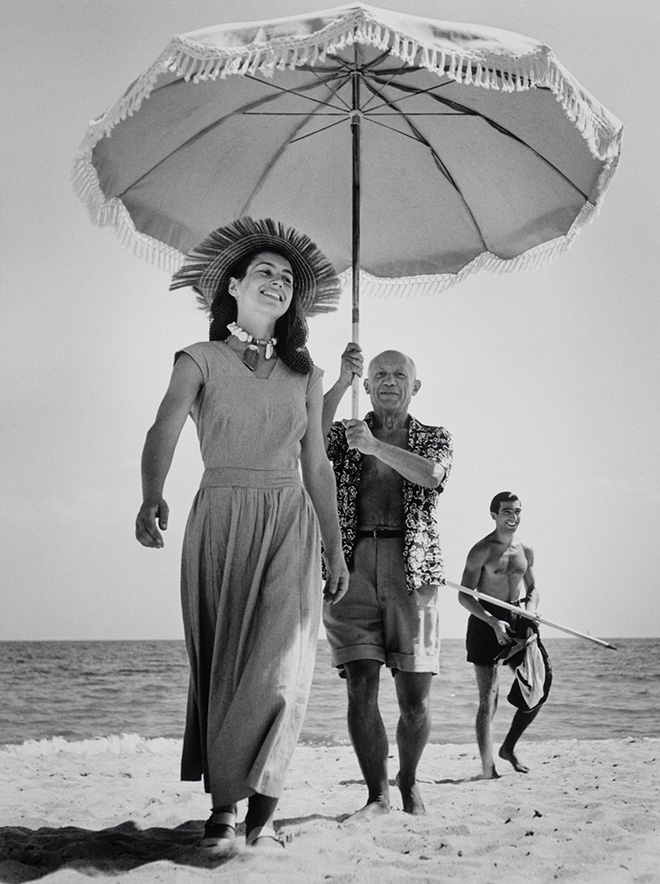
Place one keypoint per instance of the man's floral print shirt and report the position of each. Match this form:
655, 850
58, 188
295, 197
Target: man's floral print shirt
421, 553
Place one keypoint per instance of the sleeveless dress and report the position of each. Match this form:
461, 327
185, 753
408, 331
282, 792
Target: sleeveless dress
250, 578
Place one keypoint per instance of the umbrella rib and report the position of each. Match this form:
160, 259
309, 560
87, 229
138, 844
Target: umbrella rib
337, 73
391, 74
214, 125
339, 113
278, 153
442, 168
411, 92
317, 131
351, 67
463, 110
298, 94
343, 114
368, 69
415, 136
455, 116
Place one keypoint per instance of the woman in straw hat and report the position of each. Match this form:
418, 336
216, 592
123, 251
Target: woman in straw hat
251, 584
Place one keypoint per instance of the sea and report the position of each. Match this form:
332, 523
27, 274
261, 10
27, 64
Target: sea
81, 690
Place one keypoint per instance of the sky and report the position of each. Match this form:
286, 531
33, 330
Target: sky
547, 379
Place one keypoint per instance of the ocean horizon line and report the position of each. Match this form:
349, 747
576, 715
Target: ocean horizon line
460, 638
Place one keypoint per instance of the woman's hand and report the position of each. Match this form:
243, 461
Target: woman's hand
337, 582
146, 529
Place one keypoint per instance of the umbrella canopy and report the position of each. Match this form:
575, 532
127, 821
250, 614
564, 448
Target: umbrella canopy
411, 150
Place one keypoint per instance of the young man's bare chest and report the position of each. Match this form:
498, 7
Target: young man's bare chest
507, 561
504, 570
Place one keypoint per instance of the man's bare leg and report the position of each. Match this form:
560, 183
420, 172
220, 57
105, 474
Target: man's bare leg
488, 685
521, 721
412, 734
368, 735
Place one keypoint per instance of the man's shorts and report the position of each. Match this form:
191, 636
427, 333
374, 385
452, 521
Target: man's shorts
481, 642
378, 619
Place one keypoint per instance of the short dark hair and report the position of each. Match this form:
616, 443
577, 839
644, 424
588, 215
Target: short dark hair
502, 497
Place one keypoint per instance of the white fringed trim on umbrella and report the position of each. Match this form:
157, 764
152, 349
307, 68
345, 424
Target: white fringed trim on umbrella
418, 286
113, 213
486, 69
538, 256
170, 259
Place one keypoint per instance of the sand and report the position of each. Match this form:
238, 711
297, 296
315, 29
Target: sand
588, 811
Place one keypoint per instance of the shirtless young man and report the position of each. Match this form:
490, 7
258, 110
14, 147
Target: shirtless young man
500, 566
390, 469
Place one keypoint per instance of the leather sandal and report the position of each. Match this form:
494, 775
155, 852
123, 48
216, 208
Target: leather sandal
266, 836
219, 830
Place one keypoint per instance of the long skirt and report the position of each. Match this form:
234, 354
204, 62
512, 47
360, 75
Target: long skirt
251, 598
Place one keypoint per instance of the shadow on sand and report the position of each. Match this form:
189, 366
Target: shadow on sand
30, 854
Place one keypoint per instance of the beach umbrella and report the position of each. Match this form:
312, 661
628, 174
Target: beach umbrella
413, 151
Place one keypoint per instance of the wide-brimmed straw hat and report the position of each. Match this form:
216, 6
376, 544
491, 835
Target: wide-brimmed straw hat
208, 266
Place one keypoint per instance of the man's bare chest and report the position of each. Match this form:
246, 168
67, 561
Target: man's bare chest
510, 562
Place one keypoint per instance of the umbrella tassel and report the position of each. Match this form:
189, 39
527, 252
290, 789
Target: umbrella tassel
234, 66
373, 34
202, 71
247, 64
188, 67
410, 51
483, 79
255, 62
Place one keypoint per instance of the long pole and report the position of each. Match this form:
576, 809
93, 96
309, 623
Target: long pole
356, 125
481, 596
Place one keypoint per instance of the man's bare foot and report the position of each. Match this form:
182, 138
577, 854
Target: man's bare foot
370, 811
510, 756
411, 797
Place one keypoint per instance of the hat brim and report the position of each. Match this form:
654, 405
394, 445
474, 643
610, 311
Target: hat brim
209, 266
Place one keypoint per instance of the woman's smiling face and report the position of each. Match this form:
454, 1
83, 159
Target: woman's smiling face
266, 287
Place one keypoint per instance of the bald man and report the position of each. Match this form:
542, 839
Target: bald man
390, 470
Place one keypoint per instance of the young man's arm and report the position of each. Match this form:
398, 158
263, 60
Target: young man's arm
531, 600
476, 560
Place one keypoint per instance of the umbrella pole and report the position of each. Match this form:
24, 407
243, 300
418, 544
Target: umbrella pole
521, 612
356, 124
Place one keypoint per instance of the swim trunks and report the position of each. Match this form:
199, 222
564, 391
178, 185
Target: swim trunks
483, 649
481, 642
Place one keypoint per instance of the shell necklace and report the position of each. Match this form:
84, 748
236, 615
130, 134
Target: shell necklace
251, 354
